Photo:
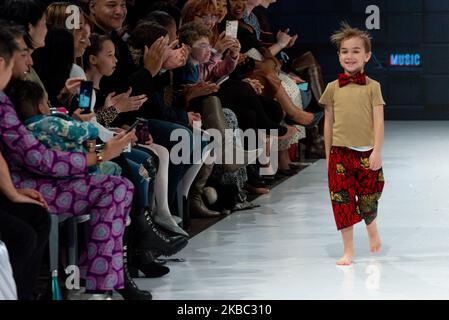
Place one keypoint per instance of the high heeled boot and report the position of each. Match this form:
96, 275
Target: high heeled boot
197, 207
166, 221
308, 63
213, 118
130, 291
145, 261
149, 236
316, 81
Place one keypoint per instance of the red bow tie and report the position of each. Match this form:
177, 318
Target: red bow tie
358, 78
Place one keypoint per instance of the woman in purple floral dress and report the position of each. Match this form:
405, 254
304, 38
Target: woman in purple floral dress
62, 177
63, 180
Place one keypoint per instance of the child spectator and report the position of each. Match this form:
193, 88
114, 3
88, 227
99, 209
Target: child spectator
59, 132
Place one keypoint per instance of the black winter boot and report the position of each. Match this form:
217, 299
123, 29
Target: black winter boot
144, 261
131, 291
148, 236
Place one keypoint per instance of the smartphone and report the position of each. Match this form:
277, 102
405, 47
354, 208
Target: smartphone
232, 27
222, 80
133, 126
85, 99
303, 86
142, 131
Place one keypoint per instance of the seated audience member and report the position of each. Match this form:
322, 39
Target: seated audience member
137, 165
61, 177
24, 227
59, 131
201, 68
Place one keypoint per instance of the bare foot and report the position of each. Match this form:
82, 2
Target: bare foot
346, 260
375, 243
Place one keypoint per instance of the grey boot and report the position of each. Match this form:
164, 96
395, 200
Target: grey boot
213, 118
166, 221
197, 207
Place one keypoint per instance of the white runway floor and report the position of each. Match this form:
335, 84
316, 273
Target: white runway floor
287, 248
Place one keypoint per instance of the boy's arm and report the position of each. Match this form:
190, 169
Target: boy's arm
379, 129
72, 130
81, 131
328, 129
222, 68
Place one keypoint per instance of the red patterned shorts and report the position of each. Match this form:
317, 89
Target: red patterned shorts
355, 189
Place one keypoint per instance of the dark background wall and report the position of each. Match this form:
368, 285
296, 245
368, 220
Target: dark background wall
407, 26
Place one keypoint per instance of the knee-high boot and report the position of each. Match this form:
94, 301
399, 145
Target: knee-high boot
213, 118
308, 62
316, 81
130, 291
197, 207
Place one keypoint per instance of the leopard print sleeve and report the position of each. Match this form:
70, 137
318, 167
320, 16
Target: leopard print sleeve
106, 116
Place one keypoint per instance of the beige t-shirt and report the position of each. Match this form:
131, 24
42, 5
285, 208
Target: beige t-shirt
353, 112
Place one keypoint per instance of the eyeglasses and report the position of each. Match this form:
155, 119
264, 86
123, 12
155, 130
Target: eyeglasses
204, 46
208, 17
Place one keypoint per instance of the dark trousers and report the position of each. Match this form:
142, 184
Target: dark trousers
252, 111
24, 228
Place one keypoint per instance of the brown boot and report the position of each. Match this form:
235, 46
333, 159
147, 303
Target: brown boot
197, 207
316, 81
308, 62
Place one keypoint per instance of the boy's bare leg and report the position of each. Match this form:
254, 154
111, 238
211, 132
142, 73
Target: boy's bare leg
348, 242
374, 238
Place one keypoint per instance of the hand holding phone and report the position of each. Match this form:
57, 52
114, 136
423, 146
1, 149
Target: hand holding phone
132, 127
222, 80
232, 27
85, 98
303, 86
